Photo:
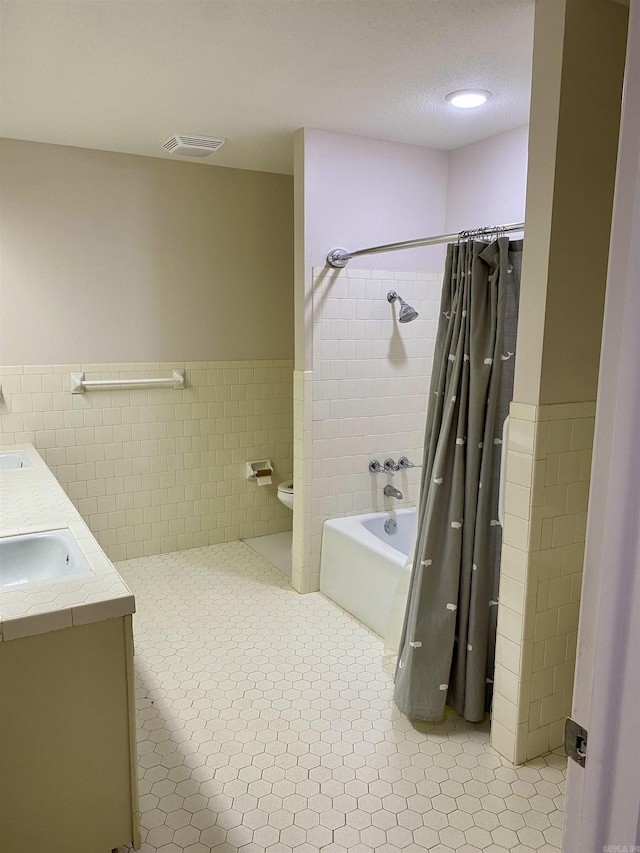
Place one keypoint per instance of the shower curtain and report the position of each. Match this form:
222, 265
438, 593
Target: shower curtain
447, 646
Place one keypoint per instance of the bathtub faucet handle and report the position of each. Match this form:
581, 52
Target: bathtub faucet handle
375, 467
403, 462
390, 466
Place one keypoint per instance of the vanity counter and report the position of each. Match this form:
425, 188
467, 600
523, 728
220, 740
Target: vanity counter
67, 712
32, 500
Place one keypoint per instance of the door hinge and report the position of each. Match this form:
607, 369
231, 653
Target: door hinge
575, 741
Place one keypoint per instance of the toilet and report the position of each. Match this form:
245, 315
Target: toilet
285, 493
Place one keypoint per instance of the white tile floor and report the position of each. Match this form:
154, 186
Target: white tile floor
266, 722
276, 548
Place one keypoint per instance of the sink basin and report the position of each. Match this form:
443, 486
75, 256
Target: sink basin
31, 557
14, 459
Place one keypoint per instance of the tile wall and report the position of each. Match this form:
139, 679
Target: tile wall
301, 578
365, 398
547, 493
157, 470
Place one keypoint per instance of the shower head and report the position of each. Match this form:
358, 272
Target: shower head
407, 313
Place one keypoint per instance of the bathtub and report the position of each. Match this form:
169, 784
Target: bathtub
362, 567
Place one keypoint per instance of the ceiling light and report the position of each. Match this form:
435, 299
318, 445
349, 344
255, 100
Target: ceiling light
467, 98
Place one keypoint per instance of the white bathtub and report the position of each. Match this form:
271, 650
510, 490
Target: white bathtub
361, 565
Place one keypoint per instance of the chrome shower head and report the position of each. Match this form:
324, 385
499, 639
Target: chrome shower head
406, 313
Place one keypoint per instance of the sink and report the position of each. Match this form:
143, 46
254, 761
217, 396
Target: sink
31, 557
14, 459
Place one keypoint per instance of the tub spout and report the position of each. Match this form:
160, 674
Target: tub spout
392, 492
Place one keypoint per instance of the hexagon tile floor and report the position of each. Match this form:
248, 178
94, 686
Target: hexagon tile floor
266, 723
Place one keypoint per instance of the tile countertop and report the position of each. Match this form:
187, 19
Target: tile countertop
31, 500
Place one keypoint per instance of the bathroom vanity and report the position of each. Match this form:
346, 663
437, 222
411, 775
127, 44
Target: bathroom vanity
68, 780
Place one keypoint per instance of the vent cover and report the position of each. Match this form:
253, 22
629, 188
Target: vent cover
192, 146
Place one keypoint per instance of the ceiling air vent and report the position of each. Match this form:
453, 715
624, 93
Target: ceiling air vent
192, 146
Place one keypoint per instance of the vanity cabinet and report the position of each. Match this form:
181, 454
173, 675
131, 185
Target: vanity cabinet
67, 740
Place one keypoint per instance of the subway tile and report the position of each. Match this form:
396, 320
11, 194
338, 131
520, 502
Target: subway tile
559, 438
546, 625
506, 683
521, 436
523, 411
101, 443
535, 529
541, 447
505, 711
563, 676
555, 652
582, 433
559, 591
537, 663
541, 684
512, 594
538, 742
568, 617
508, 654
516, 532
31, 383
517, 499
578, 497
564, 530
546, 534
503, 740
548, 563
550, 468
554, 501
551, 709
569, 466
562, 411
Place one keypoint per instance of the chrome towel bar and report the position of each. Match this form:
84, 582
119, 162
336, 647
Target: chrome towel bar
79, 384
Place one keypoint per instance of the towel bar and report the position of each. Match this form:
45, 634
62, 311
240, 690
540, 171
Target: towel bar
79, 384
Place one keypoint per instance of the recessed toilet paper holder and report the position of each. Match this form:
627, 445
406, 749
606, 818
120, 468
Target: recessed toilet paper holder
260, 470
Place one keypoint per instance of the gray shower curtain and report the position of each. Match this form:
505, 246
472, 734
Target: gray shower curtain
447, 647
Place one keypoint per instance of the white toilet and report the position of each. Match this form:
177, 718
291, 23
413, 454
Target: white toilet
285, 493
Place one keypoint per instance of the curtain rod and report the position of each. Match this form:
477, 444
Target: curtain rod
339, 258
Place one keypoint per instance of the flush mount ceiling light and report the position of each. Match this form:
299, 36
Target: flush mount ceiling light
465, 99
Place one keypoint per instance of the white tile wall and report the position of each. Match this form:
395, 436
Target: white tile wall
365, 398
302, 443
547, 492
157, 470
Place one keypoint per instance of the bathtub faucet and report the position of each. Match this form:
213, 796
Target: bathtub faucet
392, 492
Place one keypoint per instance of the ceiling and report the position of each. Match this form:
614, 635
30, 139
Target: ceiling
122, 75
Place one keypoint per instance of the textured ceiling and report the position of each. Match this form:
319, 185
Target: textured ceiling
122, 75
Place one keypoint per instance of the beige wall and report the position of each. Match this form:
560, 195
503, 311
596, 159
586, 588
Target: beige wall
118, 258
578, 64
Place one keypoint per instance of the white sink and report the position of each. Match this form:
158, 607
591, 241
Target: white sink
14, 459
31, 557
